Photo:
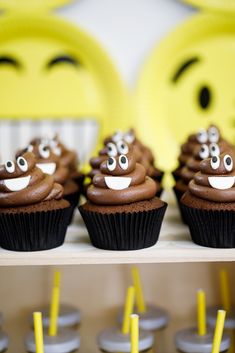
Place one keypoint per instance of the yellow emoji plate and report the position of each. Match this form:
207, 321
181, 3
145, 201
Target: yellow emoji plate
213, 5
188, 83
50, 68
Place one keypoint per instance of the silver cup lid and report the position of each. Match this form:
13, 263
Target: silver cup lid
4, 341
113, 340
211, 315
153, 319
68, 316
189, 341
66, 341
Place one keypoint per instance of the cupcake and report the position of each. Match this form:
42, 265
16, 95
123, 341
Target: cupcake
49, 162
211, 135
33, 215
209, 204
192, 166
122, 212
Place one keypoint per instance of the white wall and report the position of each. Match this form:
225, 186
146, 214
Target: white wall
128, 29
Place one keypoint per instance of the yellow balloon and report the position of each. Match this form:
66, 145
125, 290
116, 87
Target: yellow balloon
188, 83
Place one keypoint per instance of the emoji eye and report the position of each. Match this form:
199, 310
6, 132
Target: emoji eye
122, 147
213, 134
57, 151
10, 166
204, 97
44, 151
111, 164
112, 149
30, 148
117, 136
123, 162
214, 149
228, 162
202, 136
215, 162
22, 164
129, 137
204, 152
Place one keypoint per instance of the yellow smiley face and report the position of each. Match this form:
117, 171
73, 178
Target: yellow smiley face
187, 84
50, 68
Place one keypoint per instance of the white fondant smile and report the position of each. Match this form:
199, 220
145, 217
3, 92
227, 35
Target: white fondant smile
17, 184
47, 168
221, 183
117, 183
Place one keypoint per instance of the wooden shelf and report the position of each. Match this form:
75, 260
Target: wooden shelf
174, 245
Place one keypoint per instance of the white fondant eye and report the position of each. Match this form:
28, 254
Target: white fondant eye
213, 134
22, 164
204, 152
214, 149
10, 166
112, 149
215, 162
111, 164
44, 151
202, 136
228, 162
117, 136
122, 147
30, 148
123, 162
57, 151
129, 137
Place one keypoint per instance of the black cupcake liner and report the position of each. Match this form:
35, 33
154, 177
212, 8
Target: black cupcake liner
33, 231
178, 195
73, 199
124, 231
211, 228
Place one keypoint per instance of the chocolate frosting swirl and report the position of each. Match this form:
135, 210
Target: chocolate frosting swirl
201, 152
215, 181
121, 181
45, 156
22, 183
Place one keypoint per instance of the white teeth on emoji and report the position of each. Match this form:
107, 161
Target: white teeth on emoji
17, 184
117, 183
47, 168
221, 182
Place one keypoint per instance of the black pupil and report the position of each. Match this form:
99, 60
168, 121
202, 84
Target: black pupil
45, 148
9, 164
213, 148
228, 161
110, 148
214, 159
110, 161
203, 149
122, 146
22, 162
204, 97
123, 159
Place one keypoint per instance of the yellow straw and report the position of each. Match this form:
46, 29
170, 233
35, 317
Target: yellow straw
218, 331
129, 305
57, 276
201, 312
54, 311
224, 289
38, 332
134, 333
141, 308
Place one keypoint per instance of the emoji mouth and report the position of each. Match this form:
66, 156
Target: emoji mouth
117, 183
47, 168
17, 184
221, 183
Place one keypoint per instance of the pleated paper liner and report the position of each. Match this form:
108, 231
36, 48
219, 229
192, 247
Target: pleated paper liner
73, 199
33, 231
178, 195
211, 228
124, 231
